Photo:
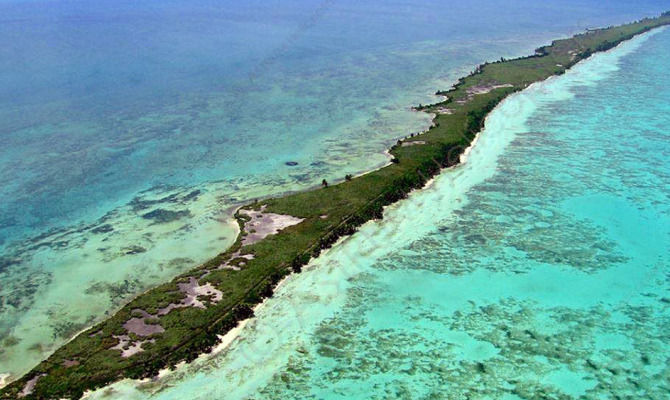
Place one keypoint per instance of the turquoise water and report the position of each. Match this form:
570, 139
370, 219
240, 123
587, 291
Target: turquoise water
539, 268
130, 129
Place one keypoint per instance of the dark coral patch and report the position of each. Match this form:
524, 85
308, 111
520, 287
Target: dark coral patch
161, 216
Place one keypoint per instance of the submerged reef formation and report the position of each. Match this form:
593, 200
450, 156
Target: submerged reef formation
486, 351
181, 319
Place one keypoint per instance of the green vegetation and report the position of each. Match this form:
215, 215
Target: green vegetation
332, 211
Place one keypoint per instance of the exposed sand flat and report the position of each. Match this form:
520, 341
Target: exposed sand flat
413, 143
30, 385
235, 255
485, 89
139, 327
263, 224
193, 290
134, 348
229, 266
470, 93
205, 290
70, 363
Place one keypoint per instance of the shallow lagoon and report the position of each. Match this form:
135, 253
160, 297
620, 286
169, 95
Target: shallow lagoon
538, 267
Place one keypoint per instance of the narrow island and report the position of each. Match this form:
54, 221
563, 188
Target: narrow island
179, 320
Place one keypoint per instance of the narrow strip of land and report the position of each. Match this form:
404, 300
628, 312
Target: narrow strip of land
181, 319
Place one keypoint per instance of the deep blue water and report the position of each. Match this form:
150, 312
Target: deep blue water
112, 109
